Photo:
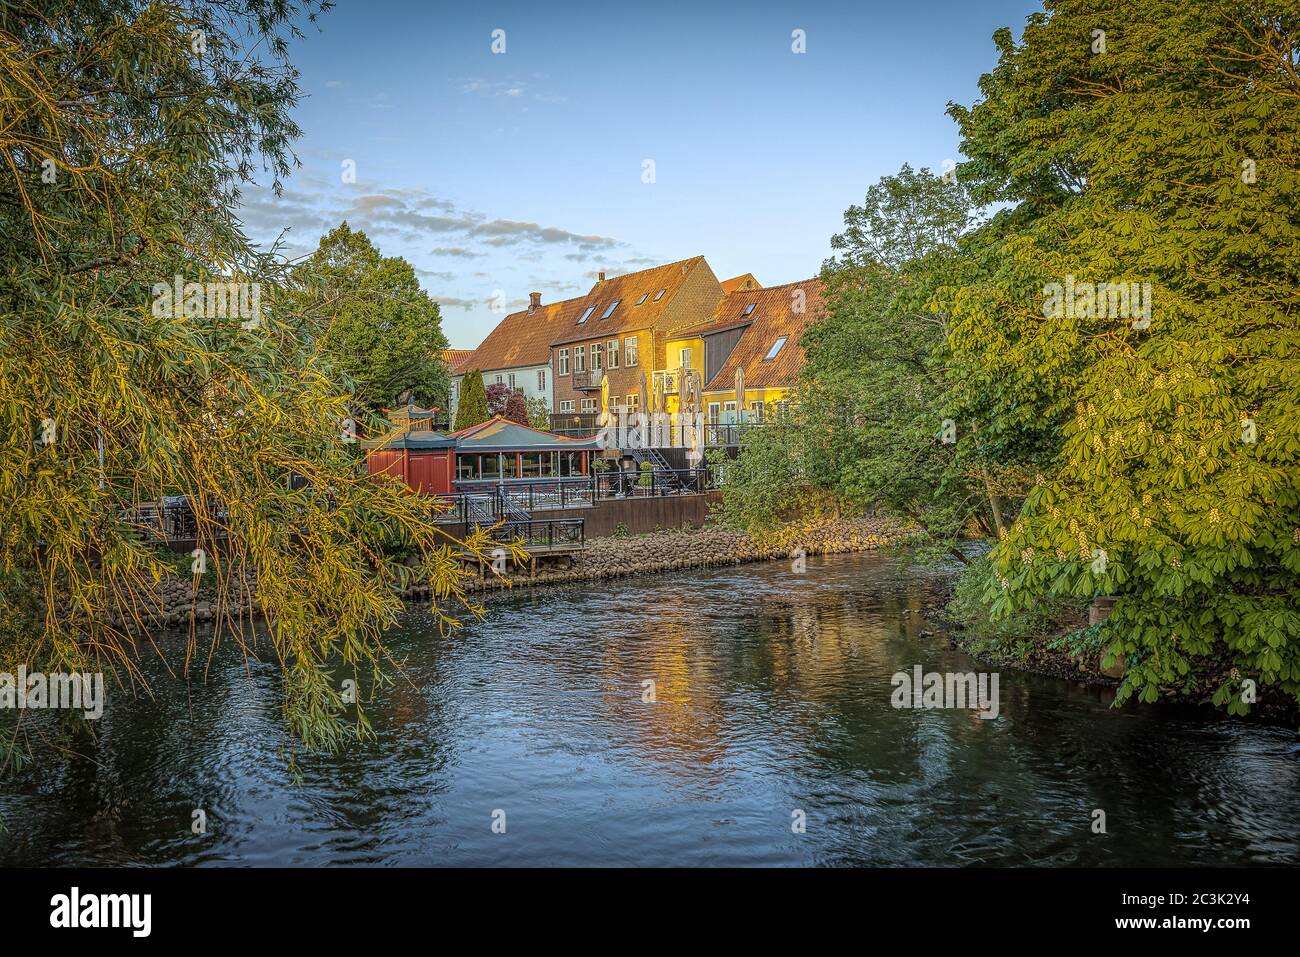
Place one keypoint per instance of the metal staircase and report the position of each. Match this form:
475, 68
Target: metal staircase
665, 473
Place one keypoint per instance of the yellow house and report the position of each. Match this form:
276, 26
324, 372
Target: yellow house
746, 358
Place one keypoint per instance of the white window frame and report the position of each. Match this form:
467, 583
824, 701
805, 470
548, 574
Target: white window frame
611, 358
588, 406
541, 380
566, 405
564, 361
597, 354
684, 358
579, 358
630, 351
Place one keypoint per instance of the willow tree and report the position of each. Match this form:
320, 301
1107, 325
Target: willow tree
1145, 294
126, 131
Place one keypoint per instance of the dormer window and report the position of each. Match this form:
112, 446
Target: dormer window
587, 315
610, 311
776, 348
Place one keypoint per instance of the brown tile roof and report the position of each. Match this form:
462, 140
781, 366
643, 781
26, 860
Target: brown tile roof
523, 338
452, 359
773, 317
727, 314
743, 281
627, 290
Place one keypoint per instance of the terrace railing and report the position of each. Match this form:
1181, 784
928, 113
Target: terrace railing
574, 492
546, 534
618, 483
174, 519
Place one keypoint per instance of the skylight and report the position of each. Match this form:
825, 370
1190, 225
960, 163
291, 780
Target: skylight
612, 306
776, 347
748, 309
644, 297
587, 315
660, 294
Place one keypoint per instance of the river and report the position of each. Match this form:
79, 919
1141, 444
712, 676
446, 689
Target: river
771, 740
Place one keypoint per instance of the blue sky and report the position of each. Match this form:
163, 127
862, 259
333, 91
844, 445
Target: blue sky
499, 174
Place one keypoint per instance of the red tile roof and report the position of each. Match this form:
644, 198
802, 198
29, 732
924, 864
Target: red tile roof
524, 338
454, 358
743, 281
627, 289
774, 316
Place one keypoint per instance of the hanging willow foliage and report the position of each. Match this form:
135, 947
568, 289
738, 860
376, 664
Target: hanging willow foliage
126, 131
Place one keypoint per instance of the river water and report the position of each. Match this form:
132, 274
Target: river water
772, 708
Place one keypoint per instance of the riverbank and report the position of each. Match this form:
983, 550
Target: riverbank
1058, 638
687, 548
175, 600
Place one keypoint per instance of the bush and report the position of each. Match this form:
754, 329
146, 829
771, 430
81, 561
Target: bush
1017, 634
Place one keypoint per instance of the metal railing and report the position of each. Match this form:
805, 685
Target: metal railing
543, 533
547, 493
174, 519
642, 483
510, 500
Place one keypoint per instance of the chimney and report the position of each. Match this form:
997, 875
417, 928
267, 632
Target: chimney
534, 301
600, 277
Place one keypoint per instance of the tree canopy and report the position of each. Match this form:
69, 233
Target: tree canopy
1083, 344
508, 403
1157, 145
126, 374
375, 324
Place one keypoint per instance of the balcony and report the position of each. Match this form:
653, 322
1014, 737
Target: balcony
676, 382
587, 381
666, 381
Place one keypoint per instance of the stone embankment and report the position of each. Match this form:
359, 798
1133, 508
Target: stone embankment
170, 603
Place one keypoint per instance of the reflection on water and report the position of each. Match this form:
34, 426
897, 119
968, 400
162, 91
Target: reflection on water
772, 694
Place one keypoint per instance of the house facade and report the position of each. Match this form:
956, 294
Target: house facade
617, 338
516, 353
671, 338
747, 358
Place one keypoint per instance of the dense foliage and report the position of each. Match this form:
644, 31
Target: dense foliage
473, 407
374, 323
126, 130
508, 403
1116, 345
